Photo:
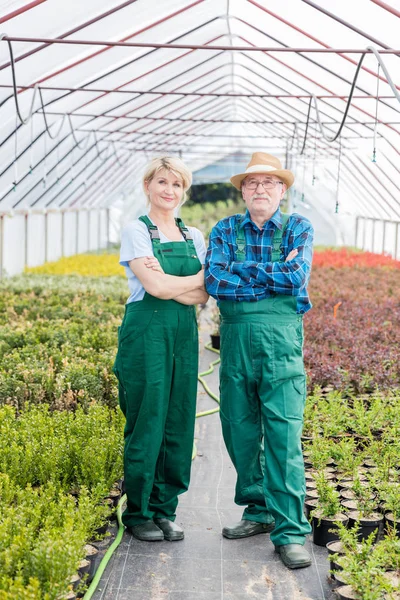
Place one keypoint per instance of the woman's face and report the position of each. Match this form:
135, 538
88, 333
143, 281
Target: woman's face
165, 190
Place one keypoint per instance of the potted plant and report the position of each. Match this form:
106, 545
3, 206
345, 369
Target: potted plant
328, 512
364, 518
215, 335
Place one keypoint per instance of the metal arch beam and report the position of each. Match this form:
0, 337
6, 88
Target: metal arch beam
21, 10
67, 33
387, 7
173, 46
183, 94
311, 37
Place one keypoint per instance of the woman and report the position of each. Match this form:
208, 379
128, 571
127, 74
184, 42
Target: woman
157, 360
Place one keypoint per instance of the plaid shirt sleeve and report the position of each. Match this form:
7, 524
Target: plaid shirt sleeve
290, 277
221, 283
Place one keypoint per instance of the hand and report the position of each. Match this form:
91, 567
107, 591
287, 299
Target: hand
151, 262
292, 254
200, 279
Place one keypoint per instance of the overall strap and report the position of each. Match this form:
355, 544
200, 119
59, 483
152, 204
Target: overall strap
184, 230
153, 230
277, 239
240, 254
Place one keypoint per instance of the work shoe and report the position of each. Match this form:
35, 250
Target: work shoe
294, 556
147, 532
246, 528
172, 532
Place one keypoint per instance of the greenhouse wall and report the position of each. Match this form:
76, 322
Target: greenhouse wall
30, 239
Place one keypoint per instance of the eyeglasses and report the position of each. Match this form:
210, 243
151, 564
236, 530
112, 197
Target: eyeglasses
268, 184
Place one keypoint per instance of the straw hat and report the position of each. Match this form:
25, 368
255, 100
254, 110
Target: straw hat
264, 163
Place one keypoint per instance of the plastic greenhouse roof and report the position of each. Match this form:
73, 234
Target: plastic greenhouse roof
110, 85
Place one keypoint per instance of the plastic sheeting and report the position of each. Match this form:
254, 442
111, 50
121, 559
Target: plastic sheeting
100, 112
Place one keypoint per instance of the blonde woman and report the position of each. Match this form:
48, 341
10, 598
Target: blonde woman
157, 360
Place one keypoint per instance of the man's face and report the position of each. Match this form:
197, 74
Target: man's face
262, 200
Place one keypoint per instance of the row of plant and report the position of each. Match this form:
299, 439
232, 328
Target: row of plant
58, 340
351, 451
56, 469
352, 334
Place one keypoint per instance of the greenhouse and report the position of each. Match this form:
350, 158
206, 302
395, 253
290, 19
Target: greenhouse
131, 317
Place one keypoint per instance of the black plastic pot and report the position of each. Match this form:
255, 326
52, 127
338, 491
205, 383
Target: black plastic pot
215, 340
334, 547
309, 505
322, 527
366, 525
346, 592
389, 521
75, 581
83, 567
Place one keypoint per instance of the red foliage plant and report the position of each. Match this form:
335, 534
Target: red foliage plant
346, 257
358, 349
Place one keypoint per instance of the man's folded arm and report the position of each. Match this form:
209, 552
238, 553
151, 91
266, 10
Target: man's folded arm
283, 277
221, 283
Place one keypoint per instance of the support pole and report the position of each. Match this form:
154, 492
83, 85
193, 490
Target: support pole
356, 233
1, 244
108, 227
373, 236
62, 232
396, 241
383, 236
89, 214
99, 230
364, 234
26, 241
77, 232
46, 238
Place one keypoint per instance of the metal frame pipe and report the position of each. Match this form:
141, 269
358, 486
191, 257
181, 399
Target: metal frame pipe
224, 48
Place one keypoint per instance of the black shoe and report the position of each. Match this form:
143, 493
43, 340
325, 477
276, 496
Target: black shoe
172, 532
147, 532
294, 556
246, 528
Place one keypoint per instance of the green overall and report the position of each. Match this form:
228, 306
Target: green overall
262, 388
157, 367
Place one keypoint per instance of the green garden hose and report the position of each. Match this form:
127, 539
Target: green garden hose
102, 566
205, 386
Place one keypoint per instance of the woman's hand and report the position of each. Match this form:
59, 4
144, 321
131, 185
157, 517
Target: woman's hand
151, 262
292, 254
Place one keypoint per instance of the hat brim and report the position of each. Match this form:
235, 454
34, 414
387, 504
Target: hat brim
284, 174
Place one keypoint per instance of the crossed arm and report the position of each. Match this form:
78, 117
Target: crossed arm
185, 290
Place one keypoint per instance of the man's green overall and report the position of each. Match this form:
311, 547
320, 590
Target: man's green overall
262, 388
157, 367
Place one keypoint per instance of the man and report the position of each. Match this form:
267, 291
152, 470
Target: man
257, 267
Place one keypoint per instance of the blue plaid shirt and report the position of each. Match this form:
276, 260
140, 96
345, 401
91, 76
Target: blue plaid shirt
256, 277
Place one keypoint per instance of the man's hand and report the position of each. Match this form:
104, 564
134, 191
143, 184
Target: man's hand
292, 254
151, 262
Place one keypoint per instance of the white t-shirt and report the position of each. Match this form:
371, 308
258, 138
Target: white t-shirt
136, 243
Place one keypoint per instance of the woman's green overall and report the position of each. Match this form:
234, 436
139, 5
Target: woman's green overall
262, 386
157, 367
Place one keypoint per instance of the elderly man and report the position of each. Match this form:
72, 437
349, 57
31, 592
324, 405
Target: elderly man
257, 267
